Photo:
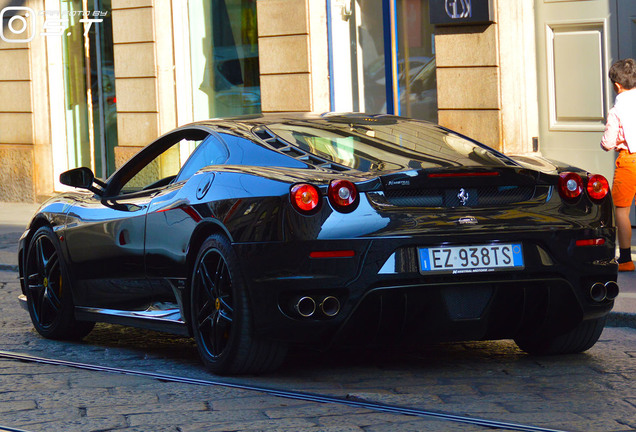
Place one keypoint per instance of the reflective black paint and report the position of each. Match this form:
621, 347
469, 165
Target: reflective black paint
134, 252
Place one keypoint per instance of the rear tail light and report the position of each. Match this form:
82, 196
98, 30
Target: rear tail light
343, 195
332, 254
305, 197
597, 187
570, 185
591, 242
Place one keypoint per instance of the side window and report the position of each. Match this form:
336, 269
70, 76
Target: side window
161, 170
255, 154
212, 151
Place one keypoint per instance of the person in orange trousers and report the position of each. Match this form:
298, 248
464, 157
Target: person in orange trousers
620, 135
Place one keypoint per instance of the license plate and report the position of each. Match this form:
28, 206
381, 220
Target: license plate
471, 258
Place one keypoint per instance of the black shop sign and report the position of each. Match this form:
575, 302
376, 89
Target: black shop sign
457, 12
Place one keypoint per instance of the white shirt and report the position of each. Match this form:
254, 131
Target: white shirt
620, 129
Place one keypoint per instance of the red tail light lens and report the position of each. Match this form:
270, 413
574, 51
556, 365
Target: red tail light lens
342, 194
591, 242
305, 197
597, 187
570, 185
332, 254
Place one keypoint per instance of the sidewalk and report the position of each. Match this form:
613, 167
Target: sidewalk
13, 219
624, 312
15, 216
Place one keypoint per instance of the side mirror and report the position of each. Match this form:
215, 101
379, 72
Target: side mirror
82, 178
79, 177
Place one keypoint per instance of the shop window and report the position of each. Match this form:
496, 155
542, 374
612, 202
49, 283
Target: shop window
224, 58
389, 64
417, 84
89, 86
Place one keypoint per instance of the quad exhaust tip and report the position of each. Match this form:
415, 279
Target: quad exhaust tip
607, 291
307, 306
612, 290
330, 306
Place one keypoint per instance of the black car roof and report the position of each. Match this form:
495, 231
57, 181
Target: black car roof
271, 118
256, 124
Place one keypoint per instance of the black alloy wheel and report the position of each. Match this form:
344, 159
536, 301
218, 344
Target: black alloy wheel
48, 290
214, 303
220, 315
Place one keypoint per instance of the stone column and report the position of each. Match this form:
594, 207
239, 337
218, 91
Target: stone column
144, 76
486, 78
292, 44
17, 167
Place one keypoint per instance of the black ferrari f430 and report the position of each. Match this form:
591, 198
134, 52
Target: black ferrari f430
253, 235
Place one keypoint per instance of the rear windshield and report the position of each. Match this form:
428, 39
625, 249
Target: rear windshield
387, 144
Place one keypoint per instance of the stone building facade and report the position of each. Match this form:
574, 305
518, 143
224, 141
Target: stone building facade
155, 62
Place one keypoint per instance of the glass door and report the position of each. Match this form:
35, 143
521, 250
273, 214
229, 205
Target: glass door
357, 60
89, 85
224, 58
417, 83
382, 62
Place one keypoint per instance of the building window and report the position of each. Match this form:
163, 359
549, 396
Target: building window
417, 84
389, 64
224, 58
89, 87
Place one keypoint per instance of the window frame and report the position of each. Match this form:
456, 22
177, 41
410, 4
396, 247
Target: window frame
146, 156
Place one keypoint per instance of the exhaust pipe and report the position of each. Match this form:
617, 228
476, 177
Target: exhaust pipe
306, 306
611, 290
330, 306
598, 292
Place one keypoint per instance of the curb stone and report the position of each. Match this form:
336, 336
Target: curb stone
621, 319
8, 268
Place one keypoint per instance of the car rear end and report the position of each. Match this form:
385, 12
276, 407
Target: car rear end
440, 251
520, 255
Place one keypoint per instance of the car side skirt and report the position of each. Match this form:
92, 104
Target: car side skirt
167, 320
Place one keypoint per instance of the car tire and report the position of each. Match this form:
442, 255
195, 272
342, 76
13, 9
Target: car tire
48, 289
577, 340
220, 315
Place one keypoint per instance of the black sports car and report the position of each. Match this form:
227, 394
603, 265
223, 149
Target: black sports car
252, 235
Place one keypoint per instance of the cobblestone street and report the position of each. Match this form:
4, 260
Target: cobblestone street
309, 187
491, 380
